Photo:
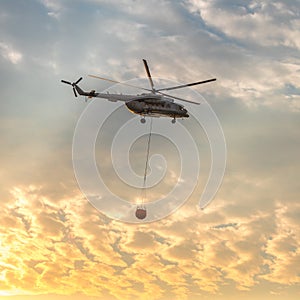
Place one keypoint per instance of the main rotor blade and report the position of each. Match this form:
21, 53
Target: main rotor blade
185, 85
114, 81
148, 73
178, 98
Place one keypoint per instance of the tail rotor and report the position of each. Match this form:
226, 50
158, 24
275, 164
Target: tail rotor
73, 84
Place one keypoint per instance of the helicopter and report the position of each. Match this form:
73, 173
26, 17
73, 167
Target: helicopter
154, 103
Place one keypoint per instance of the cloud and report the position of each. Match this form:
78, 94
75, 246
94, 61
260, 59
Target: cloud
256, 38
174, 255
54, 241
10, 54
283, 249
257, 23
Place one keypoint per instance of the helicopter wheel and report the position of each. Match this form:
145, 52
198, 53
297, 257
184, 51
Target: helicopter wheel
174, 121
143, 120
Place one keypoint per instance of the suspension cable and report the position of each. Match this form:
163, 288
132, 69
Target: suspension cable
144, 196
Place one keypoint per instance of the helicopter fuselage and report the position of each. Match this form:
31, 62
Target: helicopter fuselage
148, 104
157, 107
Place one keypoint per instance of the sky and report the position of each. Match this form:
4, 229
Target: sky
244, 245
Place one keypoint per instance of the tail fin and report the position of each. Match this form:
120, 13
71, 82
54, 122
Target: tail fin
80, 91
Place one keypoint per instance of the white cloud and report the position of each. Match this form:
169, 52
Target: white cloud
53, 5
9, 53
268, 23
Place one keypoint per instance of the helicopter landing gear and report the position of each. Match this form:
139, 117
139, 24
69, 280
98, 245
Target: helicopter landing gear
143, 120
174, 121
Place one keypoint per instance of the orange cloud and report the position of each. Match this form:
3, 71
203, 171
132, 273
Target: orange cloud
66, 247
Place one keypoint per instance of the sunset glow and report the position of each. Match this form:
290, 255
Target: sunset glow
244, 245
